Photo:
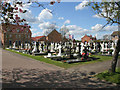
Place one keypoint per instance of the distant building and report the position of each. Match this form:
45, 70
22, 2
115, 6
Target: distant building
54, 36
11, 33
87, 38
107, 37
114, 35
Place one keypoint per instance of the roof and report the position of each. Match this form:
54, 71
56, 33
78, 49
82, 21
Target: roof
36, 38
115, 33
91, 37
54, 31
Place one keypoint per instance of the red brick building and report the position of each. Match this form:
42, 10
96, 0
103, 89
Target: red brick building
54, 36
87, 38
11, 33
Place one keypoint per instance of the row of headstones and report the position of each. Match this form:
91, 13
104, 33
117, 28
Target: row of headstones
38, 47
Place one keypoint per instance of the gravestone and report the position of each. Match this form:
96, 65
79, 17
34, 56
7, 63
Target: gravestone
78, 56
77, 48
14, 46
113, 48
36, 48
52, 47
60, 49
102, 47
40, 48
55, 46
82, 47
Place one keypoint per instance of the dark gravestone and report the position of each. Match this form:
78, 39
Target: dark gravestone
85, 51
79, 55
37, 45
42, 47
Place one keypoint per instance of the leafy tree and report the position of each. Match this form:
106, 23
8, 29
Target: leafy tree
111, 12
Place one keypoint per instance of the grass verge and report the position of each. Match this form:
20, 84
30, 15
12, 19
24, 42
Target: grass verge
61, 64
111, 77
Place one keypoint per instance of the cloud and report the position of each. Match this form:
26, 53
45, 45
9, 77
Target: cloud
33, 29
37, 34
47, 27
96, 30
97, 16
98, 27
61, 18
28, 16
82, 5
73, 27
111, 28
45, 14
76, 30
67, 22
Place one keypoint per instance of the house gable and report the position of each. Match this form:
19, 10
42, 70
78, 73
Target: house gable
54, 36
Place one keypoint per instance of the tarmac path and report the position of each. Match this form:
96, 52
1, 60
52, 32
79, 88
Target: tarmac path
12, 60
21, 72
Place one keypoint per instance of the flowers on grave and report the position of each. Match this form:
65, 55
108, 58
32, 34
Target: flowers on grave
82, 58
64, 60
83, 54
89, 54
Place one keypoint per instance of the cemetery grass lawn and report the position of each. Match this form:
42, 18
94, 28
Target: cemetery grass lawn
110, 77
61, 64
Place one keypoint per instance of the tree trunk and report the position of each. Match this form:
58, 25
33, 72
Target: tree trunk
115, 58
117, 49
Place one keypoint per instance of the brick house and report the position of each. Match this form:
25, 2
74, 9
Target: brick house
39, 38
87, 38
54, 36
114, 35
15, 33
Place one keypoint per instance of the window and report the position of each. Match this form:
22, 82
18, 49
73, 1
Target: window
19, 36
16, 36
17, 30
25, 36
7, 36
10, 35
28, 36
8, 29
